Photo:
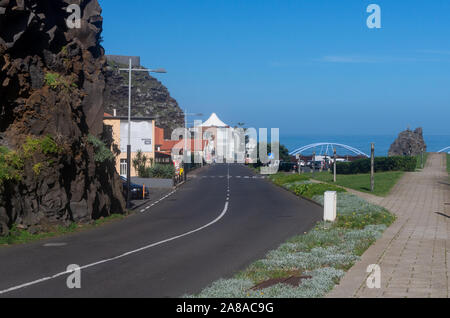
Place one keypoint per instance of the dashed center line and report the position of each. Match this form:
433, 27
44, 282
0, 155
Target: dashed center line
236, 177
158, 201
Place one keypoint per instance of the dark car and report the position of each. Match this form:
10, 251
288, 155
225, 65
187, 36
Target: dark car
136, 190
288, 166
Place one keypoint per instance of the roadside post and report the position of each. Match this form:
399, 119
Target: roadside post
330, 206
421, 163
372, 167
334, 166
313, 163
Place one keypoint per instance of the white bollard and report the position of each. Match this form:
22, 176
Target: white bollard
330, 206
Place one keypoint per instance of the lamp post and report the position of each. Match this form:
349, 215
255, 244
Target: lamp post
130, 69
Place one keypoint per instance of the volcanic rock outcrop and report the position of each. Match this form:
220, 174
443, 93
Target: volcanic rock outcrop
408, 143
149, 98
51, 108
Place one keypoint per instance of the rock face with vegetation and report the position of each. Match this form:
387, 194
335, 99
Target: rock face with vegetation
54, 168
408, 143
149, 98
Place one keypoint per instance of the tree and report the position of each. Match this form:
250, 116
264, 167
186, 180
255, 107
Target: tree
283, 153
140, 163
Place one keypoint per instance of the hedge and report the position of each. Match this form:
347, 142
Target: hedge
158, 171
398, 163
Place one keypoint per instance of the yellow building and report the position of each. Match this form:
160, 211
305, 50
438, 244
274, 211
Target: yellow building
142, 138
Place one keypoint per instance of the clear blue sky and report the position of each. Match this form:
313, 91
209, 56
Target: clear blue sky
299, 65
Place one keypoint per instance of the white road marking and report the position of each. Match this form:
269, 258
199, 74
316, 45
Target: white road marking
156, 202
44, 279
236, 177
54, 244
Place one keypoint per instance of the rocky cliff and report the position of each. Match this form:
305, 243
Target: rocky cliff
53, 168
408, 143
149, 98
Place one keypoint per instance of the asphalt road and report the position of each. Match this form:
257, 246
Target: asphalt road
219, 222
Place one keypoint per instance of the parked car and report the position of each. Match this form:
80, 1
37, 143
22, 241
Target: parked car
136, 190
288, 166
317, 164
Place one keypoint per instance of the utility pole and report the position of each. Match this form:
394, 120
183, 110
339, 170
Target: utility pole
334, 166
314, 163
372, 167
130, 69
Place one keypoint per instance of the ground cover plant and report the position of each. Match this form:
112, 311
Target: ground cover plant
323, 255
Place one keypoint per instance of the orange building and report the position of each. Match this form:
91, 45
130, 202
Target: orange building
142, 138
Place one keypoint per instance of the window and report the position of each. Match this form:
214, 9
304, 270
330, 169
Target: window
123, 167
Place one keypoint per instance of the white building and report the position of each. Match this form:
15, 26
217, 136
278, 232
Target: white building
225, 143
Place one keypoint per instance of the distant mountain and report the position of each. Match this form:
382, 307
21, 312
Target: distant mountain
149, 97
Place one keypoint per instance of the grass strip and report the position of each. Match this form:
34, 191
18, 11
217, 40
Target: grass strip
23, 236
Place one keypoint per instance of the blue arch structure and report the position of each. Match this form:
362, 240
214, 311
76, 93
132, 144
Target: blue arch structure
328, 145
447, 149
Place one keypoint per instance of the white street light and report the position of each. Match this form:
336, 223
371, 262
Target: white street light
130, 69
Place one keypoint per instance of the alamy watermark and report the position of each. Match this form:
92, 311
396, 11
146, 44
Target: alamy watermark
74, 20
74, 279
374, 279
374, 19
227, 145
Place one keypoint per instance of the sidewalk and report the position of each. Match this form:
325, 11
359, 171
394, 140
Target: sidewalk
414, 253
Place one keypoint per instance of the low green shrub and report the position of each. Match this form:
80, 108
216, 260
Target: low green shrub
11, 165
45, 145
282, 178
102, 152
158, 171
12, 162
309, 190
55, 81
359, 221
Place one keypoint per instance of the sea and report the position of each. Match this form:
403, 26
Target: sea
382, 143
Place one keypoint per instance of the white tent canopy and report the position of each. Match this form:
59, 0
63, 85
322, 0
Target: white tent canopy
214, 121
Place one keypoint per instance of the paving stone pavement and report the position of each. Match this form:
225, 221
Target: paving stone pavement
414, 253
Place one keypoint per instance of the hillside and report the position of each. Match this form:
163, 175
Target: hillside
52, 170
149, 98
